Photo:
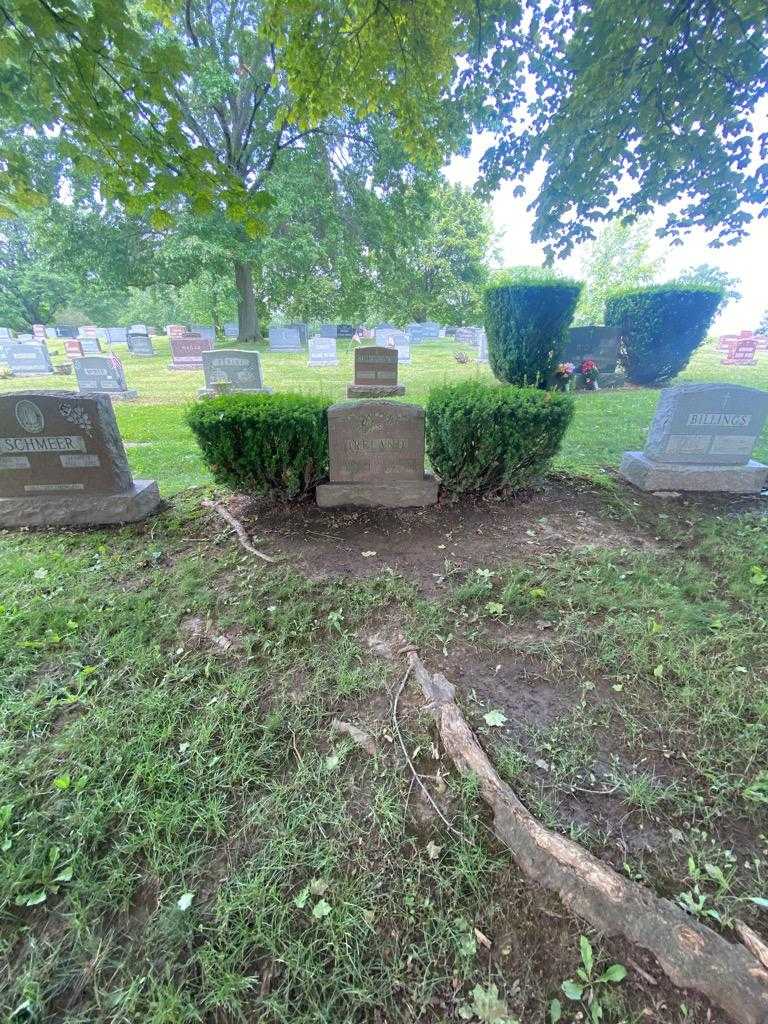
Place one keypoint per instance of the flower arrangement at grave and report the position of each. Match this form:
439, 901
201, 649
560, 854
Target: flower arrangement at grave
564, 375
461, 357
590, 372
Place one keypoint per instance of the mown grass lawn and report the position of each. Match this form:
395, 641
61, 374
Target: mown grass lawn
160, 445
183, 837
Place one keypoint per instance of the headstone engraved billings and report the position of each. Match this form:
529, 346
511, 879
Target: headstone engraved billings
375, 373
239, 369
399, 340
102, 374
601, 344
377, 456
139, 342
73, 347
62, 463
284, 339
28, 358
322, 351
187, 351
701, 439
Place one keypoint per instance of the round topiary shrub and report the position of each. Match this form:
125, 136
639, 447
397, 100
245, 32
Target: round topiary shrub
527, 313
264, 444
486, 437
661, 327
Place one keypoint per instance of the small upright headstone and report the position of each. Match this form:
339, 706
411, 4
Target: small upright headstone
62, 463
375, 373
336, 331
38, 331
29, 358
65, 331
73, 347
380, 332
237, 371
399, 340
140, 343
482, 348
742, 351
284, 339
322, 351
303, 330
231, 330
102, 374
701, 439
377, 456
90, 344
51, 333
175, 330
205, 331
187, 351
5, 333
117, 335
418, 332
466, 335
600, 344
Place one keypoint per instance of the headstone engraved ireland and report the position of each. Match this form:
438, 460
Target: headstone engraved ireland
139, 342
73, 347
399, 340
377, 456
102, 374
62, 463
375, 373
284, 339
701, 439
322, 351
29, 358
229, 371
600, 344
117, 335
231, 330
187, 351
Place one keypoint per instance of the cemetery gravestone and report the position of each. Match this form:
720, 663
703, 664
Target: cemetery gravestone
741, 351
482, 348
140, 344
284, 339
187, 351
51, 333
5, 344
102, 374
322, 351
62, 463
240, 370
336, 331
377, 456
303, 330
380, 332
65, 331
205, 332
467, 335
91, 346
5, 333
73, 347
399, 340
601, 344
29, 358
175, 330
701, 439
117, 335
38, 331
231, 330
375, 373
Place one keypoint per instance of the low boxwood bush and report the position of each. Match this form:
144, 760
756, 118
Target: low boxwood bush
485, 437
661, 326
264, 444
527, 313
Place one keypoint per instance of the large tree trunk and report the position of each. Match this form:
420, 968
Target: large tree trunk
247, 320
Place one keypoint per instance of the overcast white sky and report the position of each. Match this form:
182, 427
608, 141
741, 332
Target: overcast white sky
748, 261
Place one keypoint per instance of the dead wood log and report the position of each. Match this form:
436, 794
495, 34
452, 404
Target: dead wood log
237, 526
753, 942
692, 955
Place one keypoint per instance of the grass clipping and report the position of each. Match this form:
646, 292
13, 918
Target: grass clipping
692, 955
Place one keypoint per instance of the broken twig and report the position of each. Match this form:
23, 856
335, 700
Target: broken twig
239, 529
362, 738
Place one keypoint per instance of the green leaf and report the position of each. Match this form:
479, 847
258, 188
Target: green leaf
759, 901
495, 718
571, 989
184, 902
160, 220
65, 875
62, 782
35, 898
616, 972
586, 954
321, 909
555, 1011
301, 899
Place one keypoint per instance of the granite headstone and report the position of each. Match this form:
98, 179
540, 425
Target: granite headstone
336, 331
701, 439
600, 344
240, 370
231, 329
187, 351
377, 456
322, 351
375, 373
62, 463
73, 347
140, 343
102, 374
117, 335
28, 358
284, 339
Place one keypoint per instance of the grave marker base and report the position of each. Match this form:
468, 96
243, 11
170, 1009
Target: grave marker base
81, 509
393, 494
374, 390
641, 471
212, 393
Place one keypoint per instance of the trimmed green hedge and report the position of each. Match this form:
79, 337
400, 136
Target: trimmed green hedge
485, 437
264, 444
661, 326
527, 313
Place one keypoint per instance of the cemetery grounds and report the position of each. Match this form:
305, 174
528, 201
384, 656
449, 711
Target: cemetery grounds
184, 836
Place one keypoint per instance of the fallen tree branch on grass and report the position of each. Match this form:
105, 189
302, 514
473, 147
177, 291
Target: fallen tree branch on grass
357, 735
237, 526
692, 955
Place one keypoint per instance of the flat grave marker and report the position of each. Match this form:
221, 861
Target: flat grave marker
701, 439
377, 456
29, 358
375, 373
322, 351
102, 374
240, 370
62, 463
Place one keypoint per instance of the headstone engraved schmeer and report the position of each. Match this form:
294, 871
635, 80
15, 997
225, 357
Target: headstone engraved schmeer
62, 463
102, 374
140, 343
187, 351
377, 456
240, 370
284, 339
27, 358
601, 344
375, 373
701, 439
322, 351
73, 347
